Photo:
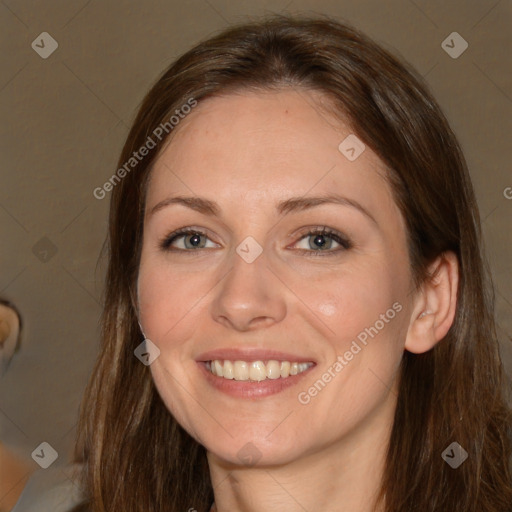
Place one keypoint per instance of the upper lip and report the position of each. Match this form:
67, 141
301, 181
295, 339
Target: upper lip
251, 354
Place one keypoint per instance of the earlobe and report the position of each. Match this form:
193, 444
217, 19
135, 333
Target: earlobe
435, 306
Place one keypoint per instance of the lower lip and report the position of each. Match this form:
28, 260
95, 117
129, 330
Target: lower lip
251, 389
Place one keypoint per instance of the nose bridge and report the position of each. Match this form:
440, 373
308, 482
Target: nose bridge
249, 293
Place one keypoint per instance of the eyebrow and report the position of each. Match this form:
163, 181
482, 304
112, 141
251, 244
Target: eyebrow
293, 204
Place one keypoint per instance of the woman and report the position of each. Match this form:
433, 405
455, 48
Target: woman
294, 232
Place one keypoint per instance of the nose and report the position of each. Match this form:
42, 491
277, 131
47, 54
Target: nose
250, 296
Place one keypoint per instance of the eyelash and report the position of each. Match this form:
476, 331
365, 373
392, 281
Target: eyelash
345, 243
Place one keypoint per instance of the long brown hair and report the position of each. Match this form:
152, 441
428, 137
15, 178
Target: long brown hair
137, 458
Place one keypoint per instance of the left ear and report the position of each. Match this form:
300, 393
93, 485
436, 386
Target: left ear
435, 305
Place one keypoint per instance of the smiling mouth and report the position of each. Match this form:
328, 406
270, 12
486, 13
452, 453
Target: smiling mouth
256, 371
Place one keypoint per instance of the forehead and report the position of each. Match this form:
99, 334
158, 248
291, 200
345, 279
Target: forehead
262, 147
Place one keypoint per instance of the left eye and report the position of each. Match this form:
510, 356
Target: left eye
323, 239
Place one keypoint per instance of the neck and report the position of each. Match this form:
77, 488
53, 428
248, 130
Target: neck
344, 476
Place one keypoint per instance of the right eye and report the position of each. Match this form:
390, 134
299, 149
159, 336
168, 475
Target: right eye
191, 237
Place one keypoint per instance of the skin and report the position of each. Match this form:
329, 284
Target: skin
14, 475
247, 152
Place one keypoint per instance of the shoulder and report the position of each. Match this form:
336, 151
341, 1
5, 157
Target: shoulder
51, 490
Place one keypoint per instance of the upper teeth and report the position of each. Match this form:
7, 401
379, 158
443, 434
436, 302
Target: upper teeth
255, 370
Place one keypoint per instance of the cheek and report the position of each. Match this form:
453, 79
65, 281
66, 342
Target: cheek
349, 302
165, 299
364, 312
168, 300
364, 345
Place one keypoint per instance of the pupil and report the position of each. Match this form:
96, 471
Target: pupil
320, 240
195, 240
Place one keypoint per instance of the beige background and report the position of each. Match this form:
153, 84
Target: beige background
64, 120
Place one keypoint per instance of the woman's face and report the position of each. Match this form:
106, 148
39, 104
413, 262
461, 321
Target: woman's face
257, 287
